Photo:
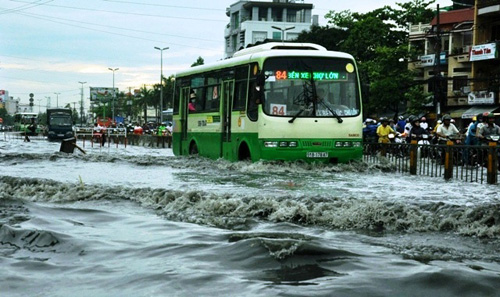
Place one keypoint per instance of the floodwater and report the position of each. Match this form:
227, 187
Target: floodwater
139, 221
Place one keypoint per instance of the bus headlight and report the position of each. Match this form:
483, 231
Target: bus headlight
271, 144
283, 144
292, 144
347, 144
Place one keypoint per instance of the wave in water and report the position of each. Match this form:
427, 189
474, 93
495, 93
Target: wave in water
237, 211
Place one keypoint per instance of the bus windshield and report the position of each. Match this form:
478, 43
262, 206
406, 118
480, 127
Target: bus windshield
311, 87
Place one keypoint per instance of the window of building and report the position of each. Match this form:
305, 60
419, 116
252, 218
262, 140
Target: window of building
258, 36
296, 15
234, 42
277, 15
459, 82
495, 32
262, 14
292, 36
236, 20
277, 35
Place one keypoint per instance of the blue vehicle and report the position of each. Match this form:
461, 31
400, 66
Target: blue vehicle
59, 123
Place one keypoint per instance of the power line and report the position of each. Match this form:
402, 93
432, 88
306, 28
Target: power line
163, 5
127, 13
114, 27
24, 7
108, 32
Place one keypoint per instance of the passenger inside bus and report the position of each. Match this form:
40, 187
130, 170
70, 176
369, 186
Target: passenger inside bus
192, 102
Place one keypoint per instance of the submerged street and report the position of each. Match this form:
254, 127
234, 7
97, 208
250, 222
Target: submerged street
140, 221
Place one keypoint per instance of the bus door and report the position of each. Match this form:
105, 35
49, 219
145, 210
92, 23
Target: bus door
183, 109
227, 106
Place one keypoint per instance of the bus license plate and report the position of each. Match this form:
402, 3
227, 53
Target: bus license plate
317, 154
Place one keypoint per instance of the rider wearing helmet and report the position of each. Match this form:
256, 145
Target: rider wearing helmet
384, 130
471, 134
446, 129
417, 131
423, 123
489, 129
400, 125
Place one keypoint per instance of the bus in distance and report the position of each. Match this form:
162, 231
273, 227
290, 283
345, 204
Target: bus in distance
275, 101
24, 121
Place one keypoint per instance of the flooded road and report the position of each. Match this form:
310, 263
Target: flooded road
139, 221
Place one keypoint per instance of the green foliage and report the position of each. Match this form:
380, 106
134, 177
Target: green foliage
199, 61
330, 37
7, 119
378, 40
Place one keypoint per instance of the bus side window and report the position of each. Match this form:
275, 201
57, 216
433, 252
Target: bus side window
240, 94
254, 99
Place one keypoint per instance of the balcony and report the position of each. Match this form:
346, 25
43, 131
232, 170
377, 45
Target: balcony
419, 29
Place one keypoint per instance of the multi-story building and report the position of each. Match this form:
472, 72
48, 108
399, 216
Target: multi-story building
457, 59
252, 22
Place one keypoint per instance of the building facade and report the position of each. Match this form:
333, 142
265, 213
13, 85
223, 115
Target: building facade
252, 22
456, 59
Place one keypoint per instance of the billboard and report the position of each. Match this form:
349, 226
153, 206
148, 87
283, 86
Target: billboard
101, 95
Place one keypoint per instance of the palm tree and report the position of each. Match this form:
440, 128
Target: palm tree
145, 99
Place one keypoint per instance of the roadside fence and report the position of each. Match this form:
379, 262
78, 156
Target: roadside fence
468, 163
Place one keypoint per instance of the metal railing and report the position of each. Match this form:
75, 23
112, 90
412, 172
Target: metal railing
468, 163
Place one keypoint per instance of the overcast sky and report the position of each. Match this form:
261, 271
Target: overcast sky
49, 46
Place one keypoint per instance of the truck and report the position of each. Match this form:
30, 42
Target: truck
59, 123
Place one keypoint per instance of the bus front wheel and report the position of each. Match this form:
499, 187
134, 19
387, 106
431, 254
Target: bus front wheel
193, 149
244, 153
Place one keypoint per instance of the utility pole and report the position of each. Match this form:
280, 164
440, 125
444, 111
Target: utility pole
437, 67
114, 92
161, 81
57, 99
81, 102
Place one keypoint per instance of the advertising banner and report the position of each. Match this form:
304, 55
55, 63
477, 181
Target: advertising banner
483, 52
101, 94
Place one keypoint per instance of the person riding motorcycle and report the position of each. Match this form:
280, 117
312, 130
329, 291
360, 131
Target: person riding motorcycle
471, 134
446, 130
489, 129
418, 133
384, 130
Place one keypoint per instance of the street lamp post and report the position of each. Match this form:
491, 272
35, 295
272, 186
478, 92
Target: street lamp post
161, 81
57, 99
81, 102
283, 29
114, 93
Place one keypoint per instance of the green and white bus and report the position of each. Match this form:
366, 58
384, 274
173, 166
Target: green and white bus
275, 101
23, 120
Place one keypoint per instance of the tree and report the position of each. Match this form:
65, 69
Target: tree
379, 42
7, 119
199, 61
145, 99
330, 37
168, 91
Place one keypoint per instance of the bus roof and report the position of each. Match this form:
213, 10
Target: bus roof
271, 49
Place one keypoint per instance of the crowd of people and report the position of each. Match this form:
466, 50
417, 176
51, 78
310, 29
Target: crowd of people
482, 129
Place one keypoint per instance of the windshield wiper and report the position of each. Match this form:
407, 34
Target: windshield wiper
339, 119
296, 116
